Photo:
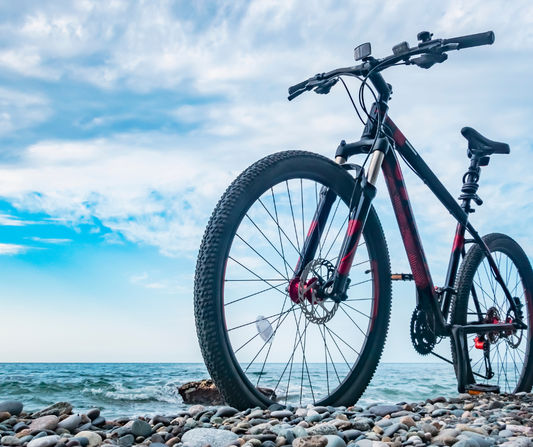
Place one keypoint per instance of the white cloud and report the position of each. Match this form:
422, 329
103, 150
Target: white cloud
50, 240
13, 249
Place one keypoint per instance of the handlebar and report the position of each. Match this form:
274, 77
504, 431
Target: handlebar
431, 51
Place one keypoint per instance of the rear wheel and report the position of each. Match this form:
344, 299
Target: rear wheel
497, 358
261, 344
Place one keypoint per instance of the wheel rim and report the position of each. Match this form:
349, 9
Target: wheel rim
506, 351
275, 343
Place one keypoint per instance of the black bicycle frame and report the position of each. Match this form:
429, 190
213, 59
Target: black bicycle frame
437, 303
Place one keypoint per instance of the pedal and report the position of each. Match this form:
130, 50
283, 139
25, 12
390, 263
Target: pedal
480, 388
401, 277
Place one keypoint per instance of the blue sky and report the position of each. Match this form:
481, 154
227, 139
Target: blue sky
122, 122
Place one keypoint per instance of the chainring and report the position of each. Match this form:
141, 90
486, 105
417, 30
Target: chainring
422, 332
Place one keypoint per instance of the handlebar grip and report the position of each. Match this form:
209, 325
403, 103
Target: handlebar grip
295, 94
297, 87
473, 40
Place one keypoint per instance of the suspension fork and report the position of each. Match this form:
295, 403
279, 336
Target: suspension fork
362, 197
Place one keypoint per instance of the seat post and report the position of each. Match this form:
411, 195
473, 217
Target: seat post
471, 185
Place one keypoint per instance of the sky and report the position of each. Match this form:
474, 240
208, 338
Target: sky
122, 123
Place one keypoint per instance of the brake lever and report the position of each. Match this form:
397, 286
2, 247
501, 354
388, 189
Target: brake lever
428, 60
325, 87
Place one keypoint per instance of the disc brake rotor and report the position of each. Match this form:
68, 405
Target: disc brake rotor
315, 307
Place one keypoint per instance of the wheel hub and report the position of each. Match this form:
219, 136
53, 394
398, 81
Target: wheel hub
307, 291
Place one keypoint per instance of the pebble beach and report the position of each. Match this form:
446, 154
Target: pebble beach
484, 420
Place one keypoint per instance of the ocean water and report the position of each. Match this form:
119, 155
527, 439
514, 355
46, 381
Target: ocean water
138, 389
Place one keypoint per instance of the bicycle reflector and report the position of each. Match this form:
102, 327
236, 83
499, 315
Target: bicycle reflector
264, 328
362, 51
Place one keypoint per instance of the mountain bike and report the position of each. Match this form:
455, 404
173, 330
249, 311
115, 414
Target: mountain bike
293, 281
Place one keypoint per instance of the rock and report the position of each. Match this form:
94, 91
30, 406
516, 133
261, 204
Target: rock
160, 419
141, 428
226, 412
84, 442
408, 420
478, 430
299, 432
11, 440
364, 443
301, 412
93, 413
389, 431
19, 427
4, 416
495, 404
202, 392
522, 442
195, 409
211, 436
428, 428
157, 444
467, 443
126, 441
156, 437
70, 423
13, 407
383, 423
45, 423
26, 439
506, 433
335, 441
99, 421
94, 439
352, 434
310, 441
281, 414
384, 410
45, 441
58, 409
322, 429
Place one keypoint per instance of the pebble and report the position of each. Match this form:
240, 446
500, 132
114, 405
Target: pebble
70, 423
141, 428
45, 441
227, 412
10, 440
12, 407
310, 441
45, 423
211, 436
384, 410
335, 441
93, 438
322, 429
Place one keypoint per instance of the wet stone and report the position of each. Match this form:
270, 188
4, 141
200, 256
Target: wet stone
310, 441
141, 428
45, 441
12, 407
281, 414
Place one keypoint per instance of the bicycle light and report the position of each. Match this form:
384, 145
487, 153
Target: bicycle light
401, 48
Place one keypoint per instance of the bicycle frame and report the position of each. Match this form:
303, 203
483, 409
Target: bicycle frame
437, 302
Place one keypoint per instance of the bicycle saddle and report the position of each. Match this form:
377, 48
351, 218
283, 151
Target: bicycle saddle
482, 146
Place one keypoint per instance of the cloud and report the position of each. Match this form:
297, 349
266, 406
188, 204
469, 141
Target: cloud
11, 221
50, 240
13, 249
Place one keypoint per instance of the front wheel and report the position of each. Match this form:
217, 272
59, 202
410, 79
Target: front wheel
497, 358
260, 345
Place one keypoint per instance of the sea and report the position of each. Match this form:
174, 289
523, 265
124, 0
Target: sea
147, 389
